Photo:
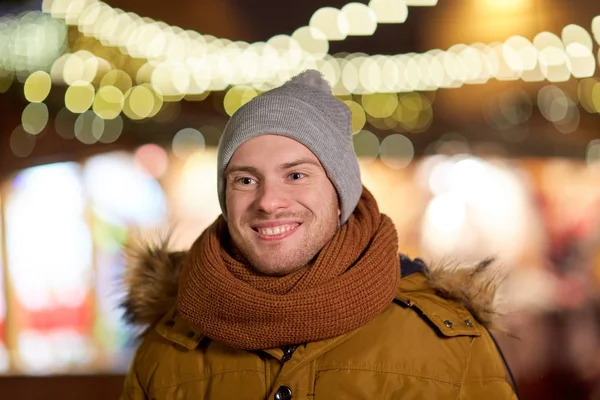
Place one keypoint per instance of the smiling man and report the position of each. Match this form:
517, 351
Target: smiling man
297, 291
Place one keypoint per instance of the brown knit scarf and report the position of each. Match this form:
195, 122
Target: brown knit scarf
351, 281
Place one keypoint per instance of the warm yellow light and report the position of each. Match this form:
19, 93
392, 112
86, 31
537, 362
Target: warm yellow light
358, 116
330, 68
576, 34
390, 75
37, 86
555, 64
312, 40
584, 94
362, 20
332, 22
520, 54
437, 74
369, 75
117, 78
79, 97
546, 39
596, 97
108, 102
236, 97
380, 105
73, 69
389, 11
139, 103
583, 62
596, 28
505, 4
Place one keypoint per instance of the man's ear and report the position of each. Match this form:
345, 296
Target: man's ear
339, 212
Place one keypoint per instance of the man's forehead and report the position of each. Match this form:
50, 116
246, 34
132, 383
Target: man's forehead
273, 151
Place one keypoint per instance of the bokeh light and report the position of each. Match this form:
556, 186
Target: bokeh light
79, 66
89, 127
187, 142
32, 41
21, 142
362, 20
112, 130
34, 118
553, 103
64, 123
79, 97
37, 86
140, 102
312, 40
117, 78
358, 115
396, 151
593, 152
366, 146
153, 159
236, 97
389, 11
380, 105
332, 22
109, 102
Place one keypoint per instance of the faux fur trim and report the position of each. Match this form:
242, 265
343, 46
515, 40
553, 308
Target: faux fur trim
474, 287
150, 281
152, 276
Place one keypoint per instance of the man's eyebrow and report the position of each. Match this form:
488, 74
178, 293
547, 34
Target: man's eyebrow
241, 168
298, 162
291, 164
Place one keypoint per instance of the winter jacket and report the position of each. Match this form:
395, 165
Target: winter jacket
431, 342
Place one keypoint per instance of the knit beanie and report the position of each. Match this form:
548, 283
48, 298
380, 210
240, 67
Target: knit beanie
303, 109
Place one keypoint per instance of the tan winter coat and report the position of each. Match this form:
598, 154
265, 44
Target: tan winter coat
430, 343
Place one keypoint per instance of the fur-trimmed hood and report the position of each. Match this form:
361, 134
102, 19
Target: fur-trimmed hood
151, 279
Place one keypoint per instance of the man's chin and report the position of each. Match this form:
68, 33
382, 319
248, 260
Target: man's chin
275, 267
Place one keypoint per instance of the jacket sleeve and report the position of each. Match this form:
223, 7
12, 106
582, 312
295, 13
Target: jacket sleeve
485, 375
132, 388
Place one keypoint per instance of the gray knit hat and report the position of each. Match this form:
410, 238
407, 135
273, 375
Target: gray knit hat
305, 110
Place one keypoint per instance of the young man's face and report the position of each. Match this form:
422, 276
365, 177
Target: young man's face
281, 206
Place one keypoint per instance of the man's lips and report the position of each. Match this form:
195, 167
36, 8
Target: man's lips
275, 230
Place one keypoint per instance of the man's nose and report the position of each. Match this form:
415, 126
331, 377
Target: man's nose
272, 197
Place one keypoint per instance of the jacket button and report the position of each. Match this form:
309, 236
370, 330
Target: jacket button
283, 393
448, 323
468, 323
191, 334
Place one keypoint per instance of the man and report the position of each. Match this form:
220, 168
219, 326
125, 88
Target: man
297, 290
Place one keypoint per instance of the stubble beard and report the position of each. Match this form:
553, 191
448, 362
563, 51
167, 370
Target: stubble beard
278, 259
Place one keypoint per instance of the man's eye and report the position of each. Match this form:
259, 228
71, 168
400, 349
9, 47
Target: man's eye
246, 181
296, 175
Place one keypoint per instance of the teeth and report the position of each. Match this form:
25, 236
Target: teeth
275, 230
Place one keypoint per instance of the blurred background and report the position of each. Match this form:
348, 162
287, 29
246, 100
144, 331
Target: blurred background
475, 122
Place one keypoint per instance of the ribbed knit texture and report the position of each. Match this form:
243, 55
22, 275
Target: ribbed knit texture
305, 110
353, 279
